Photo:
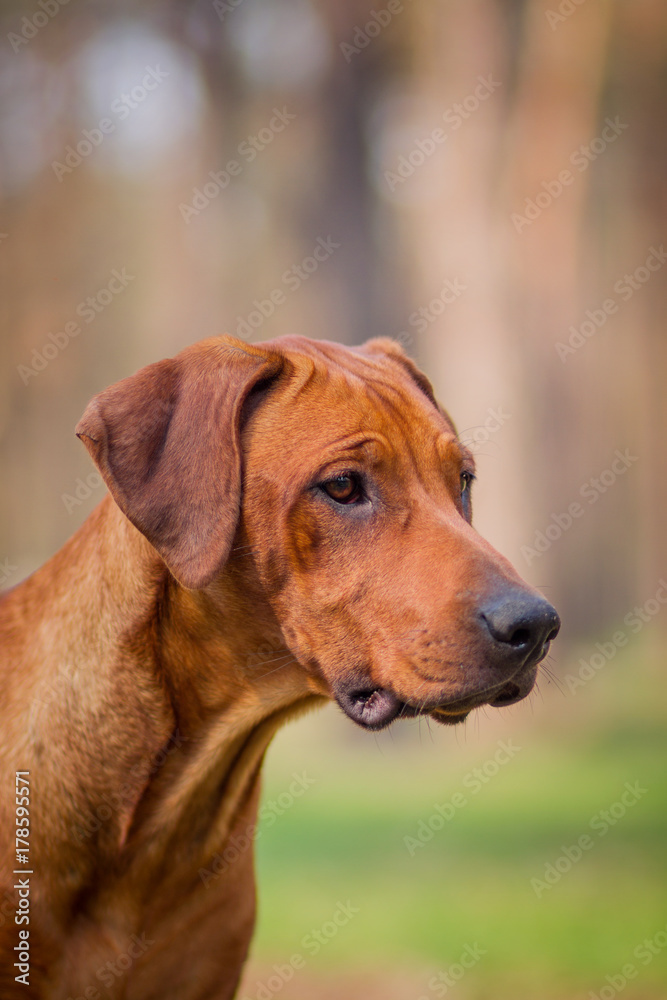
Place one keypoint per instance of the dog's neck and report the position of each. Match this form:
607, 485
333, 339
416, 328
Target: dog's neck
232, 683
167, 710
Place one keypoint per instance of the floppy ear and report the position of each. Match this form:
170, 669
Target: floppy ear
166, 441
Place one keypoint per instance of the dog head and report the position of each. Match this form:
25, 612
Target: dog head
347, 482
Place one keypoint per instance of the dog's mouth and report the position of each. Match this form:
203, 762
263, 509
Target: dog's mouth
454, 712
375, 708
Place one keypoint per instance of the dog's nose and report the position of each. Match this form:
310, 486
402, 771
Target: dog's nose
522, 622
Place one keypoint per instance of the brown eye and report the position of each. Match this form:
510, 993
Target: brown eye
343, 489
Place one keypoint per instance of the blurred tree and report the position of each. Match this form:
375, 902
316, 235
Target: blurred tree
420, 134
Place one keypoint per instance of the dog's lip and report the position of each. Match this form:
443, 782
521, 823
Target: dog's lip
447, 718
457, 706
509, 695
455, 711
377, 707
499, 696
449, 712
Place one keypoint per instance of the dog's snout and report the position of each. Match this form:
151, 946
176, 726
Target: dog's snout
523, 623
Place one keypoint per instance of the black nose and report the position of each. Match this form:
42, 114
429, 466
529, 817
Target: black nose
521, 621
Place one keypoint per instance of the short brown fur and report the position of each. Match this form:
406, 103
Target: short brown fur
131, 687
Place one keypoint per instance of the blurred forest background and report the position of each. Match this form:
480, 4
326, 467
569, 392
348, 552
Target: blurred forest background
485, 180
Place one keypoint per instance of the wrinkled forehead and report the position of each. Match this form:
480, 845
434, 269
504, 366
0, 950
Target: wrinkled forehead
329, 395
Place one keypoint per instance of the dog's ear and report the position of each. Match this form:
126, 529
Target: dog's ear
166, 441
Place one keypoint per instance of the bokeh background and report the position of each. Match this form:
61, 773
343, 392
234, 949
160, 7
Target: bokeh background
486, 182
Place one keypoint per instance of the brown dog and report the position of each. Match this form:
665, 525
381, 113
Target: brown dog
295, 494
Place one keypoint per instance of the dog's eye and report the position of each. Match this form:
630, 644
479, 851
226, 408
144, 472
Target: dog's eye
466, 480
343, 489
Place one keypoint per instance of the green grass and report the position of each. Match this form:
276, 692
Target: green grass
471, 882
